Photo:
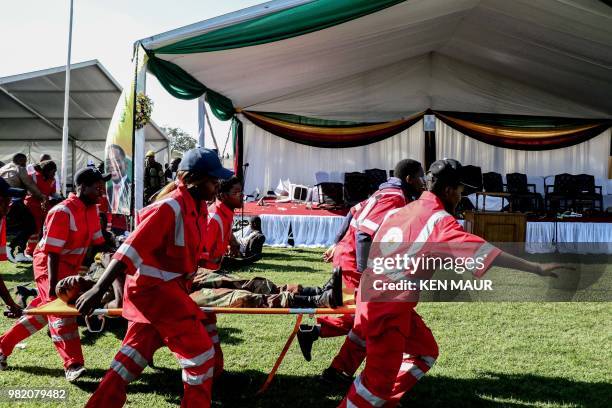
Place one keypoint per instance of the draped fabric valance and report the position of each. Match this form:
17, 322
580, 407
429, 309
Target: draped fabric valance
524, 132
507, 131
337, 136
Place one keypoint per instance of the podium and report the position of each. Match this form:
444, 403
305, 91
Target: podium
497, 226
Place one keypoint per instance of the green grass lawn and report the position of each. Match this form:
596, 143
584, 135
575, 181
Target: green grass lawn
492, 354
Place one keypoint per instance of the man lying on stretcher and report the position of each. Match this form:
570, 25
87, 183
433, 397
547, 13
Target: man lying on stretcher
216, 289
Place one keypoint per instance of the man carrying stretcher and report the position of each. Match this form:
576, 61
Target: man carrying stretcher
350, 254
400, 346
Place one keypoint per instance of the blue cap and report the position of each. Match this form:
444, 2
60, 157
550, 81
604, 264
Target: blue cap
204, 161
7, 191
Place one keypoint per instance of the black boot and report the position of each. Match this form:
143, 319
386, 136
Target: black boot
303, 301
306, 336
336, 289
331, 376
331, 297
310, 291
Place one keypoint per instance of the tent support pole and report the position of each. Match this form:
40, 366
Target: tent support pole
201, 120
74, 147
139, 138
212, 134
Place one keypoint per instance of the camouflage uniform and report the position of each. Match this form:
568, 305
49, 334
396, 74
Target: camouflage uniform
224, 290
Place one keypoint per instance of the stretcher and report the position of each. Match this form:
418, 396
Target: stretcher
58, 308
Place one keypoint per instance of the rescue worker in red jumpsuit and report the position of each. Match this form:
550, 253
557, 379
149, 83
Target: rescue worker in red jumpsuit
44, 178
13, 309
219, 237
400, 347
71, 227
160, 258
351, 255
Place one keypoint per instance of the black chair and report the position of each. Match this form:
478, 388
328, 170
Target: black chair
472, 175
376, 177
331, 194
356, 187
523, 195
587, 193
562, 195
492, 182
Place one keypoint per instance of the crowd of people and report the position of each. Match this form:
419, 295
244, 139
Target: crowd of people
169, 265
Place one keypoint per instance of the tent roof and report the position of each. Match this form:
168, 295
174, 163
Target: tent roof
545, 58
32, 104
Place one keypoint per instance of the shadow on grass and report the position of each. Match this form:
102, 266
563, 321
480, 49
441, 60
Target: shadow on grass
116, 326
266, 267
23, 273
228, 335
238, 389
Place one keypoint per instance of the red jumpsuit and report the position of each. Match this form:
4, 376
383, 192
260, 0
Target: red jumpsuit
3, 256
220, 221
161, 256
47, 188
400, 347
70, 228
367, 217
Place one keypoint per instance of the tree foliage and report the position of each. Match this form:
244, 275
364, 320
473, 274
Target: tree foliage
180, 141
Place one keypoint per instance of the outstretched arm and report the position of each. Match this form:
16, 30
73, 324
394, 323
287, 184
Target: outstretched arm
87, 302
14, 308
506, 260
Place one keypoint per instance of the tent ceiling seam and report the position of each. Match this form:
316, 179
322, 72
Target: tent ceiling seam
459, 24
35, 112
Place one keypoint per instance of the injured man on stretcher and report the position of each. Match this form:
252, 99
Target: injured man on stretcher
217, 289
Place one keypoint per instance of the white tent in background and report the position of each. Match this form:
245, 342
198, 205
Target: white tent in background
392, 59
31, 115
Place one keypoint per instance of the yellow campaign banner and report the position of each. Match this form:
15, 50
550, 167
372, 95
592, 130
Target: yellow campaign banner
118, 150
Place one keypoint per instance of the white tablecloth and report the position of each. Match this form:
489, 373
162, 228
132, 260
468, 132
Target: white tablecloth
542, 237
569, 237
307, 231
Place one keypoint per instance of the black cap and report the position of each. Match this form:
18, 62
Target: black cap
7, 191
89, 175
205, 162
448, 171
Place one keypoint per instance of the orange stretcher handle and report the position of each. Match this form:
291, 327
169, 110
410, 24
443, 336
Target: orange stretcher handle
58, 308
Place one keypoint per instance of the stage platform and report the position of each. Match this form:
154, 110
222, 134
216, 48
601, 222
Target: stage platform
293, 224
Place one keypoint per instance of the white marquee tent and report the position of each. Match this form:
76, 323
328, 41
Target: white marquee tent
31, 115
548, 58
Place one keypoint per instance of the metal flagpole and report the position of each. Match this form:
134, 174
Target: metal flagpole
64, 172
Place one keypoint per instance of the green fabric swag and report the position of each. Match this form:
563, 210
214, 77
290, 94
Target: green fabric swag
181, 85
520, 121
283, 24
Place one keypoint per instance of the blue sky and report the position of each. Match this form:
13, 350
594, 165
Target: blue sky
34, 36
